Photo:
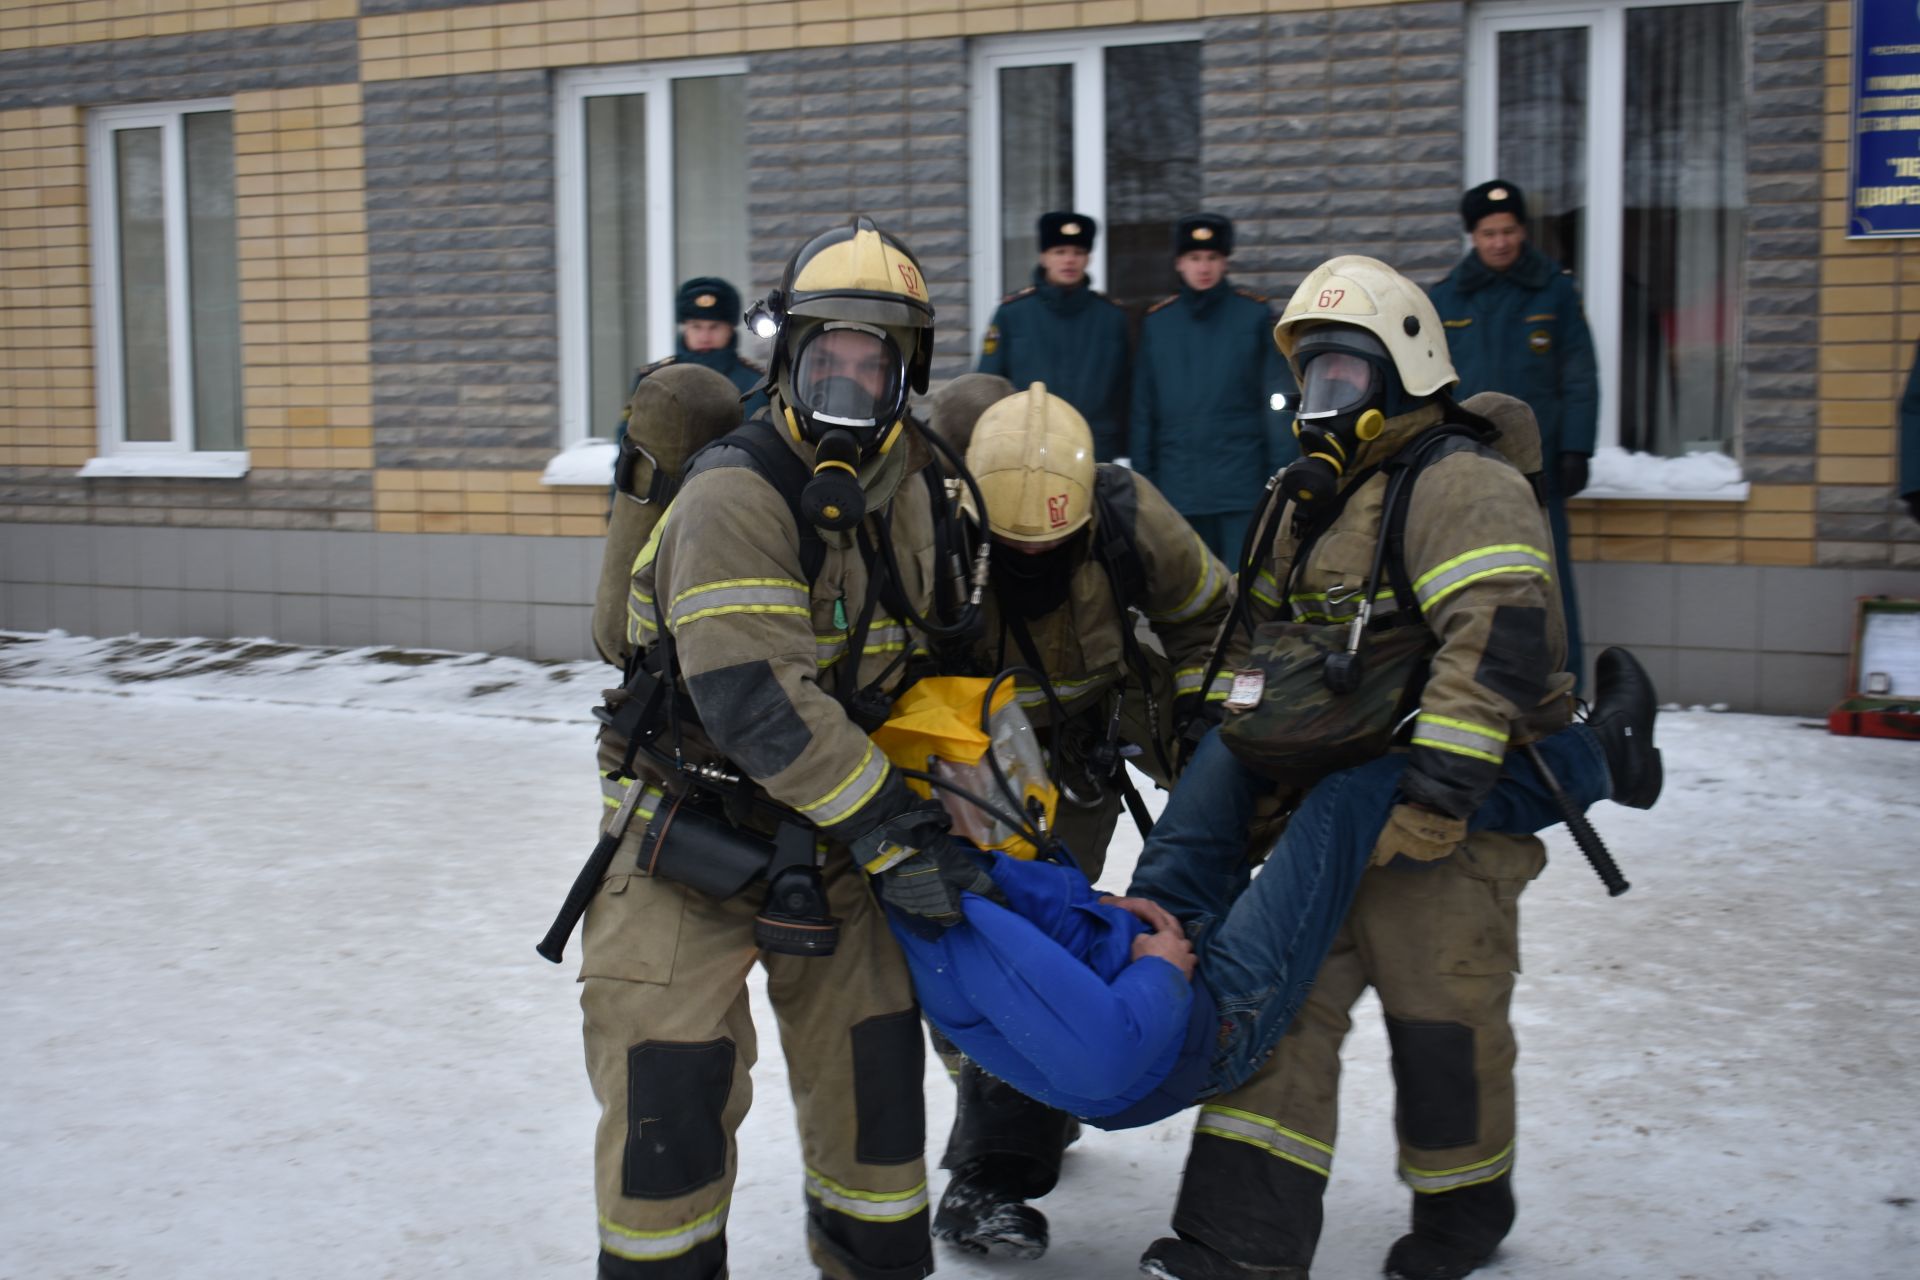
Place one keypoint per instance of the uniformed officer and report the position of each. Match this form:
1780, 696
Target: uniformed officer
1909, 489
708, 310
757, 605
1515, 325
1059, 331
1435, 926
1082, 553
1208, 422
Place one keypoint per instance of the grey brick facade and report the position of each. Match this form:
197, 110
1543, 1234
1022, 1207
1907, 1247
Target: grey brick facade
204, 64
1335, 132
879, 129
460, 240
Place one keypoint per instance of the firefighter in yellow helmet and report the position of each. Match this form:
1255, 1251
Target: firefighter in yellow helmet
770, 610
1434, 929
1081, 553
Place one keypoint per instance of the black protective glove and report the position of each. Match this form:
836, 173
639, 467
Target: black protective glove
1913, 505
1573, 473
920, 870
1193, 716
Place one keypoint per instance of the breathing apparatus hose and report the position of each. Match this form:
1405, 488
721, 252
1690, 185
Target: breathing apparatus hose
967, 620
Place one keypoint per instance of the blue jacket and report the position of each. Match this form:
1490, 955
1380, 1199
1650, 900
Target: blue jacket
1044, 994
1203, 427
1522, 332
1910, 432
1075, 341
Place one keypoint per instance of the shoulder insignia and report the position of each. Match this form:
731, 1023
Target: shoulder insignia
1457, 324
991, 342
1260, 298
1172, 297
1018, 294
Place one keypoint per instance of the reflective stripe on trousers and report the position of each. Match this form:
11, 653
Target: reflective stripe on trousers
1430, 1181
1273, 1138
655, 1246
867, 1206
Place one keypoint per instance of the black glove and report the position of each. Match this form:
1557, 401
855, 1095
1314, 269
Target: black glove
1913, 505
1193, 716
1573, 473
920, 870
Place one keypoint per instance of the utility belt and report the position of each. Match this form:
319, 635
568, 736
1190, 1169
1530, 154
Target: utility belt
711, 829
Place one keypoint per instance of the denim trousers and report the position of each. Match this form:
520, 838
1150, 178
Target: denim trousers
1260, 943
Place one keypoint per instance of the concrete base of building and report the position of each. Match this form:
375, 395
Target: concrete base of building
1750, 637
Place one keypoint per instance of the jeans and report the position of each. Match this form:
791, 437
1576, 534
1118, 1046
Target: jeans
1259, 946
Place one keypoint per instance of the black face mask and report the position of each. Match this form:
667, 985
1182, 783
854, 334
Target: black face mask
1034, 585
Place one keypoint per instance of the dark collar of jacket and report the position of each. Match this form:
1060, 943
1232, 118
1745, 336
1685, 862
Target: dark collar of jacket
720, 360
1533, 270
1063, 300
1201, 301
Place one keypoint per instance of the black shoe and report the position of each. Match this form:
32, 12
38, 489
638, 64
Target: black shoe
1173, 1259
1624, 706
1454, 1232
979, 1213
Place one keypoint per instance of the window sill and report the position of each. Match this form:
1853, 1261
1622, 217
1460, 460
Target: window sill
1731, 493
181, 466
587, 464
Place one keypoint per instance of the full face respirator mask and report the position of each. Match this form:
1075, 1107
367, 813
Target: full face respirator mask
847, 395
1346, 389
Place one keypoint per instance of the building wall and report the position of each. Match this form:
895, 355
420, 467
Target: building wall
395, 185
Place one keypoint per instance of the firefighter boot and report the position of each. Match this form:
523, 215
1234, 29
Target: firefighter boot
1624, 705
984, 1210
1453, 1231
1175, 1259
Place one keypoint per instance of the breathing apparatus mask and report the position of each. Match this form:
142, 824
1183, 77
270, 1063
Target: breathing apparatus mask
1348, 390
848, 393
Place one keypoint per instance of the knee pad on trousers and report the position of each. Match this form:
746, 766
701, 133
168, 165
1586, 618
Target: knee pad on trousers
991, 1118
889, 1101
1250, 1205
676, 1094
869, 1250
1434, 1080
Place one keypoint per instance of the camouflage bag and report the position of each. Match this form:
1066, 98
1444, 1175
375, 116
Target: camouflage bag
1284, 722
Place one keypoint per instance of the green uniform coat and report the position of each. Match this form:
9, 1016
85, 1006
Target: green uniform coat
1203, 426
1073, 340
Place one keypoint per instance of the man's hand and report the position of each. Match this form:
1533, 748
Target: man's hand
1418, 833
1573, 473
1146, 911
1170, 945
920, 870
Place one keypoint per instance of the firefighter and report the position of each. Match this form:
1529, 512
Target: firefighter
1208, 418
1081, 554
1515, 325
1434, 928
754, 605
1060, 331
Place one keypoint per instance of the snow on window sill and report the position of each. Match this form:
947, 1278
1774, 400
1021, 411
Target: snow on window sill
1697, 477
587, 462
174, 466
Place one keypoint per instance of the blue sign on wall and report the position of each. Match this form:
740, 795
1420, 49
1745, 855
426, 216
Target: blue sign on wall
1883, 188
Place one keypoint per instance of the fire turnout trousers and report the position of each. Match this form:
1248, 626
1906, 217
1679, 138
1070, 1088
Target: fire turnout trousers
670, 1045
1439, 942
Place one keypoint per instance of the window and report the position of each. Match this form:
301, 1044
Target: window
166, 290
652, 189
1625, 126
1103, 124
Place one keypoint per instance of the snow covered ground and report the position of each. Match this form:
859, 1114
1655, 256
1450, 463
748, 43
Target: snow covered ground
272, 1007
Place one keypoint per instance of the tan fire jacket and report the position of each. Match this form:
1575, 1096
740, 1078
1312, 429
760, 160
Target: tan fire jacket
1480, 561
760, 649
1184, 598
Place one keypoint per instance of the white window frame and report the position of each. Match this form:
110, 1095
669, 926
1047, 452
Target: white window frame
1600, 267
119, 456
571, 91
1085, 52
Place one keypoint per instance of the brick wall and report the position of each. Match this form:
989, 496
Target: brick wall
878, 129
176, 68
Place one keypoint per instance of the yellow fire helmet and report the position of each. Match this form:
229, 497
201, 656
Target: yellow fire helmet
1032, 454
1370, 295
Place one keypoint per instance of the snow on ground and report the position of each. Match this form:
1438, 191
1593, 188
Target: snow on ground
273, 1008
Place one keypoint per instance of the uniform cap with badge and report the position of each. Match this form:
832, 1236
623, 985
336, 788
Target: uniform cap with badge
1203, 231
1067, 228
707, 298
1497, 196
